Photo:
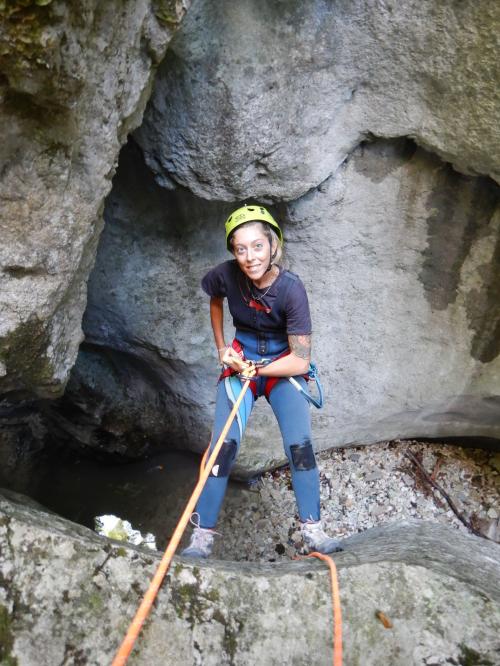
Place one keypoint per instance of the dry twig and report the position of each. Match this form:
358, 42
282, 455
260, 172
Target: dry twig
425, 476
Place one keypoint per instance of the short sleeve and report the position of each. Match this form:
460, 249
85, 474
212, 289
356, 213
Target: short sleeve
214, 283
298, 316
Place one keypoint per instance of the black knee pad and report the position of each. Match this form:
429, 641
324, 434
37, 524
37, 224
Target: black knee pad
225, 459
303, 456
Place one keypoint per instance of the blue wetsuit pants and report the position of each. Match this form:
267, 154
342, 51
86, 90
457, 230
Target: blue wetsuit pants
294, 419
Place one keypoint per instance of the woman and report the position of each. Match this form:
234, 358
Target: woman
273, 329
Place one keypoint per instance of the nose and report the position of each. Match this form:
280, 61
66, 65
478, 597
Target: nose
249, 254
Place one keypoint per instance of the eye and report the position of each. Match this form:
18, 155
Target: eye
240, 250
258, 246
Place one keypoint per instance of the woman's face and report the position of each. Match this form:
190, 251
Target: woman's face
252, 250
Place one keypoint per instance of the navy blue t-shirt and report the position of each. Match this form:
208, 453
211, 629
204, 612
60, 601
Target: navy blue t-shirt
284, 308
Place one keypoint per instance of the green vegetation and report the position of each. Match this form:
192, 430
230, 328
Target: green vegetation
118, 532
166, 12
6, 639
23, 43
95, 602
469, 657
230, 639
24, 350
188, 600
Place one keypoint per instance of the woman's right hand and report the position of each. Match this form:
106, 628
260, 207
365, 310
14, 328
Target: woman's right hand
232, 359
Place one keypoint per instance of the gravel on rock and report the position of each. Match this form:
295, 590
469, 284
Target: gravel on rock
364, 487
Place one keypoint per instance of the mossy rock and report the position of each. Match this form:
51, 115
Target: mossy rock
6, 639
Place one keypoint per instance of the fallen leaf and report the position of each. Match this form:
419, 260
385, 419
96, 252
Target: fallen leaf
384, 619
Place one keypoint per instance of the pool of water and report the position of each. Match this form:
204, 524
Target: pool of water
151, 494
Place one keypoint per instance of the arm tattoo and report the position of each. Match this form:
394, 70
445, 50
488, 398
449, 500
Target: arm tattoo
300, 345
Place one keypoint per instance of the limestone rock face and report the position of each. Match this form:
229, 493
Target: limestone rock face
400, 254
439, 589
74, 80
401, 258
265, 100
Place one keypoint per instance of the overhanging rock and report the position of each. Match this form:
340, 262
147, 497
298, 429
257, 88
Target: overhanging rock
259, 99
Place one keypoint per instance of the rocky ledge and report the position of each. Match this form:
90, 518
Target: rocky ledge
439, 591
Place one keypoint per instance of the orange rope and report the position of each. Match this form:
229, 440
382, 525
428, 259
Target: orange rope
135, 626
203, 459
337, 615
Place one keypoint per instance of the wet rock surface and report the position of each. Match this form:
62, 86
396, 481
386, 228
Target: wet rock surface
439, 589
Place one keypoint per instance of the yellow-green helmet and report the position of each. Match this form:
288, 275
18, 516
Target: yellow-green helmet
250, 214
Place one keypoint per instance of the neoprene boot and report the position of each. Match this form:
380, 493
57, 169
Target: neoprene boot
317, 540
200, 544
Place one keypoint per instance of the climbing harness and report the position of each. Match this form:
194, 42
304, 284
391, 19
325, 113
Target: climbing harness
312, 375
232, 385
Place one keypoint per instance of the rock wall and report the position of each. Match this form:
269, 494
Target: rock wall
400, 255
146, 373
74, 80
365, 123
372, 127
439, 589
